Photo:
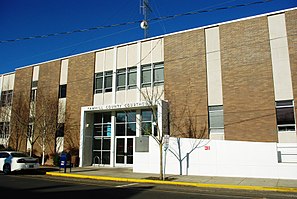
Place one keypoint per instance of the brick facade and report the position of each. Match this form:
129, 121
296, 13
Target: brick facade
248, 94
185, 83
247, 83
79, 94
47, 100
20, 107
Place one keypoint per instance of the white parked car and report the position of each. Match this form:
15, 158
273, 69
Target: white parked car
16, 161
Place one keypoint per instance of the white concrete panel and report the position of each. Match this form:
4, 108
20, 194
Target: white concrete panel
107, 98
131, 95
121, 57
214, 79
217, 136
59, 144
287, 152
287, 137
218, 158
99, 61
280, 58
146, 52
1, 83
279, 43
8, 82
212, 39
120, 97
109, 59
62, 110
157, 50
213, 63
277, 26
145, 93
286, 171
35, 73
156, 92
282, 79
133, 52
98, 99
64, 72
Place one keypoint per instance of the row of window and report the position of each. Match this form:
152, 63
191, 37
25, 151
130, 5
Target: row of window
62, 91
285, 117
151, 75
4, 129
6, 98
125, 123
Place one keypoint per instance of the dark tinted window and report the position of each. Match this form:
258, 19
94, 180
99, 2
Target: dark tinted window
62, 91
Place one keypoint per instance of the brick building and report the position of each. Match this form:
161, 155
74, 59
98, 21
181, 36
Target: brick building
231, 81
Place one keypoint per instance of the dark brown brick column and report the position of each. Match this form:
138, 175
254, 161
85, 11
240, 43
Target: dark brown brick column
20, 107
291, 25
248, 93
47, 96
79, 93
185, 83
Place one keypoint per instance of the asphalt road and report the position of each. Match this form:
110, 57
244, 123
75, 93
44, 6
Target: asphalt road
47, 187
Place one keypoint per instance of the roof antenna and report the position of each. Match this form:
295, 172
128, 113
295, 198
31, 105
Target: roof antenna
145, 11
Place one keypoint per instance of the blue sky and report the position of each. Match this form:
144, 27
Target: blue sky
19, 19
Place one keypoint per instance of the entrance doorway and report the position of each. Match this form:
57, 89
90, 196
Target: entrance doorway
124, 151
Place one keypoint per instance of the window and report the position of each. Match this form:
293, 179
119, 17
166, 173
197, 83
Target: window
33, 91
101, 138
33, 95
147, 123
102, 124
30, 130
34, 84
121, 79
4, 129
103, 82
108, 81
62, 91
98, 82
6, 98
132, 77
126, 123
216, 119
127, 78
285, 115
60, 130
158, 74
152, 73
146, 78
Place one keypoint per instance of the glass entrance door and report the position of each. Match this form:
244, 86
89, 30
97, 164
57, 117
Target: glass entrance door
124, 150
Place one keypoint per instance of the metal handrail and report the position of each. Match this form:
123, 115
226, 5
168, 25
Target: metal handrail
97, 158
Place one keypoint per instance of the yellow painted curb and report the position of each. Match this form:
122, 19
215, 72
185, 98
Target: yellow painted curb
193, 184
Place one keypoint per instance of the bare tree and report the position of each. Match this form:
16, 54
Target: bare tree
153, 98
185, 123
45, 122
5, 130
19, 121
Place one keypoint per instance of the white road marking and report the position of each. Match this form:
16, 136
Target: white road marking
126, 185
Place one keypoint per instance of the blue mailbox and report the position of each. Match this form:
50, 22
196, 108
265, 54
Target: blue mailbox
65, 161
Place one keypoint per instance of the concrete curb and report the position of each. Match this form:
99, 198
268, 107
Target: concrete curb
193, 184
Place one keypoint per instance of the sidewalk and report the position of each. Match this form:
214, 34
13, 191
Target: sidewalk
127, 175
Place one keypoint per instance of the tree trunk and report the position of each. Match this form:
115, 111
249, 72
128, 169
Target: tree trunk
179, 157
161, 161
43, 153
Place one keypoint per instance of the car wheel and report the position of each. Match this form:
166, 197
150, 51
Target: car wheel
6, 169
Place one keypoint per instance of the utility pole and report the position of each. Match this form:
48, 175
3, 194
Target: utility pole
145, 11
